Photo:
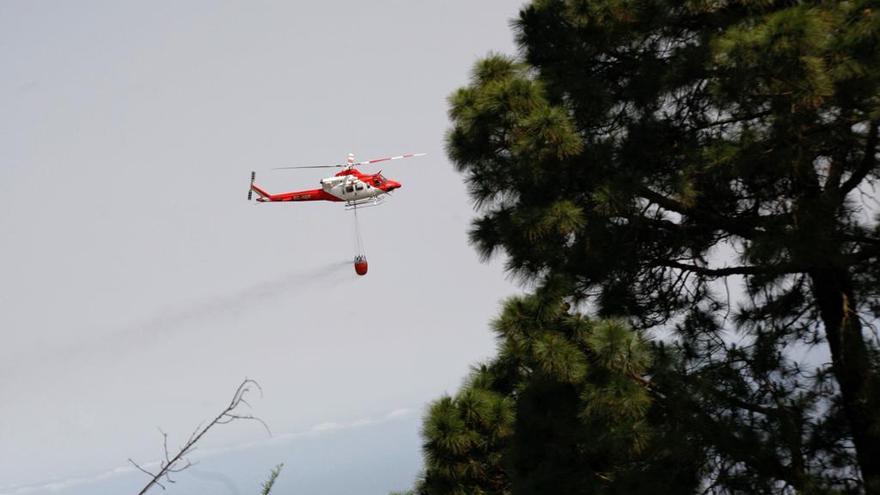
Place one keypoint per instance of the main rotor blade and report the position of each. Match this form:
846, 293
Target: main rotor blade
387, 158
358, 164
312, 166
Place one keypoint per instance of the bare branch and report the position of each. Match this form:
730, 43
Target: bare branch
140, 468
740, 226
165, 445
179, 462
868, 162
156, 477
733, 270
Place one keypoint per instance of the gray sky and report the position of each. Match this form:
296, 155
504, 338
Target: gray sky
137, 285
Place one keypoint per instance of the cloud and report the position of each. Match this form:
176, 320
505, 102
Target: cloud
60, 485
215, 477
399, 413
327, 427
316, 430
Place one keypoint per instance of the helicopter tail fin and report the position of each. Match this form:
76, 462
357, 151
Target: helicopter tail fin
263, 195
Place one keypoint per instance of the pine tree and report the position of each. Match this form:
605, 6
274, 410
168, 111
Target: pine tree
703, 169
564, 408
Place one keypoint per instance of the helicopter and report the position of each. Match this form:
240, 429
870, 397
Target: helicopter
350, 185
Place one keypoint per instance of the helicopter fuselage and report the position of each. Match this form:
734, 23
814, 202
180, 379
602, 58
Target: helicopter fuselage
350, 186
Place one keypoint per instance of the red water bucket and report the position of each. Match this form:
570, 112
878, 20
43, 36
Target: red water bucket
360, 265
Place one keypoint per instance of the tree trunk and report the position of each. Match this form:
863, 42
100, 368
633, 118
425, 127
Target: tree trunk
851, 364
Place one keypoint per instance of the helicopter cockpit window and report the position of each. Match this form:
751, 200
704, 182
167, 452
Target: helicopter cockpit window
349, 188
360, 187
378, 180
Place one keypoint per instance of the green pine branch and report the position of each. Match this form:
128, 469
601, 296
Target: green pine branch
270, 482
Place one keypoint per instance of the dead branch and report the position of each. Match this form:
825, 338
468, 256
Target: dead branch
177, 463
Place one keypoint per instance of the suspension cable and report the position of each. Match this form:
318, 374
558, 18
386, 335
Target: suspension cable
357, 233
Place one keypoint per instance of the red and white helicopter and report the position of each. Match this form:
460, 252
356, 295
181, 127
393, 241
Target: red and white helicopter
350, 186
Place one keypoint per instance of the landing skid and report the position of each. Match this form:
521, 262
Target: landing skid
365, 203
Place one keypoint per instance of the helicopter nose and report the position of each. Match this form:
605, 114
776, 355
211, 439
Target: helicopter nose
392, 185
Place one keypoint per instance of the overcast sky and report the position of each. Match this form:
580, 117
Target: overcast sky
137, 285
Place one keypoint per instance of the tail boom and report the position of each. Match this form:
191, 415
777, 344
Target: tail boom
307, 195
